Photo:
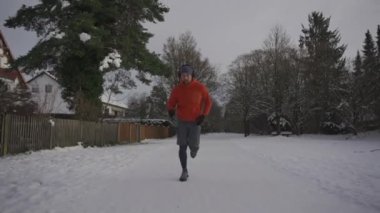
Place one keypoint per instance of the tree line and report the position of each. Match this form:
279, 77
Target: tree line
309, 88
91, 46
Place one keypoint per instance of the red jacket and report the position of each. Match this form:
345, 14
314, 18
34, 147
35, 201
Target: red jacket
191, 100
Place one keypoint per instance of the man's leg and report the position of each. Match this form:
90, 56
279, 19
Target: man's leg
194, 137
183, 157
182, 142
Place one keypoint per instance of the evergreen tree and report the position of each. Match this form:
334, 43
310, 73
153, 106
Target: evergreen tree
376, 106
369, 54
370, 77
158, 99
357, 92
324, 66
378, 43
83, 39
15, 100
358, 64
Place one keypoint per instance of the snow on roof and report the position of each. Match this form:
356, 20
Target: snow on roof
159, 122
114, 103
43, 73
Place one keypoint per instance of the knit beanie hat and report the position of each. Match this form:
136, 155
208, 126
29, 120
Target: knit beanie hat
186, 69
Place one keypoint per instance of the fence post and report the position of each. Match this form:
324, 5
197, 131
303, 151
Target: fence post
138, 133
2, 116
103, 129
5, 133
81, 131
130, 133
118, 132
51, 133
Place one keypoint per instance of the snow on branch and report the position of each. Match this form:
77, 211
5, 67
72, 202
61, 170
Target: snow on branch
84, 37
65, 3
113, 59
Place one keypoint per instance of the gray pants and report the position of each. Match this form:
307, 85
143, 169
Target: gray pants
188, 133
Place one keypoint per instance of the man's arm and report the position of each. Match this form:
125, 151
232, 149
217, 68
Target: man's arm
172, 101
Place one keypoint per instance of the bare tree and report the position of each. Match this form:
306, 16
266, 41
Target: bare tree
184, 51
244, 76
115, 81
277, 47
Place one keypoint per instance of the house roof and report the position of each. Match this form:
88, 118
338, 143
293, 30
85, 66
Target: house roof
43, 73
6, 47
11, 74
119, 105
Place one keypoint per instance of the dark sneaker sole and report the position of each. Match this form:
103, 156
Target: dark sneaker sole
183, 179
193, 155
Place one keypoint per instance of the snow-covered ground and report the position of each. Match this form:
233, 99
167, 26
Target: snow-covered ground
310, 173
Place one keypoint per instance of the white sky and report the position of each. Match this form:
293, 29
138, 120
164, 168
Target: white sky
225, 29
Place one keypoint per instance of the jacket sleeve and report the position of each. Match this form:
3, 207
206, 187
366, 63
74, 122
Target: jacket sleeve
172, 101
207, 101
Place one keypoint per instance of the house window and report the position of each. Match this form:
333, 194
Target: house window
35, 89
48, 88
106, 111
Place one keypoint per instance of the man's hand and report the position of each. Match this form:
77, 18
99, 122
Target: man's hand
200, 119
171, 113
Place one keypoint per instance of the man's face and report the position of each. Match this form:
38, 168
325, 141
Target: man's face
186, 78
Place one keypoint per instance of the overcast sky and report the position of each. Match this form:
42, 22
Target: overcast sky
225, 29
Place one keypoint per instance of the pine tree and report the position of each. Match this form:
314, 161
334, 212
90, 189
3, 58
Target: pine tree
15, 100
376, 106
369, 53
370, 76
357, 92
158, 99
378, 43
358, 64
83, 39
324, 66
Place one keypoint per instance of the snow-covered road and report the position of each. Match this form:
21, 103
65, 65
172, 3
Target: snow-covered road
230, 174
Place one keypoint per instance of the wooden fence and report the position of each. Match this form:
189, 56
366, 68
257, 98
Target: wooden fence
25, 133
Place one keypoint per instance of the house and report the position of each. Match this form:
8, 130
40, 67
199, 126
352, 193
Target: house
46, 92
44, 88
12, 77
112, 109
